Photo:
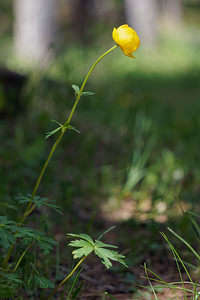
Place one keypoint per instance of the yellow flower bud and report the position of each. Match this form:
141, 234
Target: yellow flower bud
127, 39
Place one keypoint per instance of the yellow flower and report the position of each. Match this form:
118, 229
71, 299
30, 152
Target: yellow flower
127, 39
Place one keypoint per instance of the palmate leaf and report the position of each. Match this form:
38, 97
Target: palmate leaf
46, 244
29, 235
85, 245
6, 238
26, 232
43, 282
7, 229
39, 202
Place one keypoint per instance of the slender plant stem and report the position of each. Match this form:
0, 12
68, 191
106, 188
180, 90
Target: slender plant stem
21, 257
86, 79
31, 206
64, 128
29, 209
66, 278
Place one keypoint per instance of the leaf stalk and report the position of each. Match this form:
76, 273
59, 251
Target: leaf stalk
66, 278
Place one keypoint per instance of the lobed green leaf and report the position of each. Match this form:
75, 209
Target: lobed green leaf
6, 238
29, 235
43, 282
86, 245
39, 202
7, 230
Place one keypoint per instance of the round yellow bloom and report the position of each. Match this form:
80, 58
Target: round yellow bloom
127, 39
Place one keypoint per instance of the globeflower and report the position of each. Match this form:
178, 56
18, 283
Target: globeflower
127, 39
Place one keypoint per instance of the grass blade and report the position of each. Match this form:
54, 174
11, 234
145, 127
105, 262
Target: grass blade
184, 241
73, 284
146, 272
162, 281
105, 232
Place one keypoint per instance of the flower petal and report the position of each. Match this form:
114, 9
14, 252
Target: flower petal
127, 39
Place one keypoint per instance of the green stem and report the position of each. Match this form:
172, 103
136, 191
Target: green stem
6, 259
86, 79
66, 278
21, 257
27, 212
29, 209
32, 206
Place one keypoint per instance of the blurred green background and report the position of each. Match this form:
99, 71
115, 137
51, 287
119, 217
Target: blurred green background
138, 148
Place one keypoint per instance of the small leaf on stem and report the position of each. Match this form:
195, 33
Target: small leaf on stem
87, 94
76, 89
